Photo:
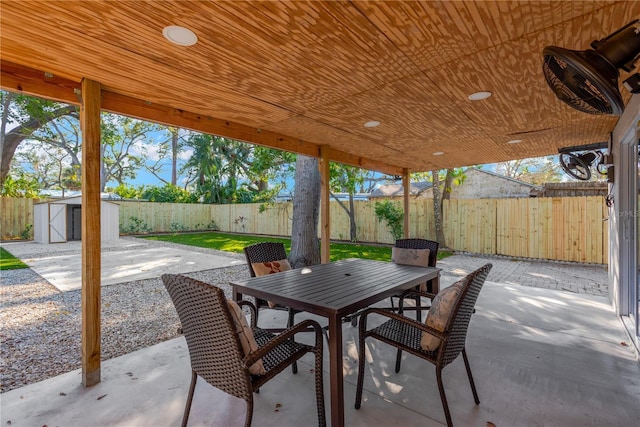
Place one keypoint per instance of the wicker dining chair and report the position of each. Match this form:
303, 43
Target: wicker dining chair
406, 334
268, 252
216, 352
433, 258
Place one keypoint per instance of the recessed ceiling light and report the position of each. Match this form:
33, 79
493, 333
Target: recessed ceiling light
514, 141
179, 35
478, 96
438, 153
372, 124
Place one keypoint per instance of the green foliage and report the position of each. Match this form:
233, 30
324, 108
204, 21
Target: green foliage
127, 191
393, 215
168, 194
9, 262
22, 186
229, 171
212, 226
176, 226
136, 225
26, 233
344, 178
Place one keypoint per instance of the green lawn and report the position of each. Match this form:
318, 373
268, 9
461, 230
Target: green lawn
235, 243
9, 262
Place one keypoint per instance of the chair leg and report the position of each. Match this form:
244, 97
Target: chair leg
398, 360
361, 360
473, 385
443, 397
187, 408
249, 416
418, 309
393, 307
322, 420
294, 365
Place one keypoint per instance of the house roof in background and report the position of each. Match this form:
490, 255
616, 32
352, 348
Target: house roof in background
497, 175
397, 190
416, 188
300, 75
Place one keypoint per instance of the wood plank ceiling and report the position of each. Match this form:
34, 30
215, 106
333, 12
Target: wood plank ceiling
312, 73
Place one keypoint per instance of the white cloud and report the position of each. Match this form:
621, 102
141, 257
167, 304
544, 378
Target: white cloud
186, 154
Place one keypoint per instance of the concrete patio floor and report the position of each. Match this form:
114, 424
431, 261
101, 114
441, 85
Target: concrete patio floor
539, 357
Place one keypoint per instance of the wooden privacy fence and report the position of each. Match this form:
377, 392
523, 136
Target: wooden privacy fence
562, 228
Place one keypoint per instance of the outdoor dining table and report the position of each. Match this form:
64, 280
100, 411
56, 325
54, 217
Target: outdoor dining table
335, 290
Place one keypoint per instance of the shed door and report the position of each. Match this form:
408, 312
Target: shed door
57, 223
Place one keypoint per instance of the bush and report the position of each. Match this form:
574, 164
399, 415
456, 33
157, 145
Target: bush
393, 215
136, 225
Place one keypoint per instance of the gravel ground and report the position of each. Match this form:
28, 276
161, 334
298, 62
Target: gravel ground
40, 326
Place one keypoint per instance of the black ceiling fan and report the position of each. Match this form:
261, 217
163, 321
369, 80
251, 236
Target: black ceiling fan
579, 166
588, 80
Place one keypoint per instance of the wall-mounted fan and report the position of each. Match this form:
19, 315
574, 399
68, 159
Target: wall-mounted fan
588, 80
577, 162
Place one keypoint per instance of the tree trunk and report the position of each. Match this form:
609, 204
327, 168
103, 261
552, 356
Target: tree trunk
351, 213
305, 248
437, 209
352, 219
446, 191
174, 156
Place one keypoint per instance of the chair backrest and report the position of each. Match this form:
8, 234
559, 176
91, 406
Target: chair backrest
456, 328
264, 252
421, 244
215, 352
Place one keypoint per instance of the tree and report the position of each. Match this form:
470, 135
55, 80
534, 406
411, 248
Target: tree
346, 179
119, 135
217, 164
442, 184
228, 171
268, 165
50, 166
172, 145
29, 115
536, 170
305, 248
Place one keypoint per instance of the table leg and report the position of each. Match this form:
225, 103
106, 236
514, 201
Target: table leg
435, 283
335, 371
235, 295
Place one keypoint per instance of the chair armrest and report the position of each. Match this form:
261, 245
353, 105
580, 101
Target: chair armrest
399, 317
252, 310
289, 333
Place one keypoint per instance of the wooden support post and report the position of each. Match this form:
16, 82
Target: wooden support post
325, 225
406, 185
90, 124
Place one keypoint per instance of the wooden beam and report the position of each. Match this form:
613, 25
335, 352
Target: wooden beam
90, 124
325, 220
17, 78
406, 185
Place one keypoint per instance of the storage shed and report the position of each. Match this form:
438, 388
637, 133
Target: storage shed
60, 220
